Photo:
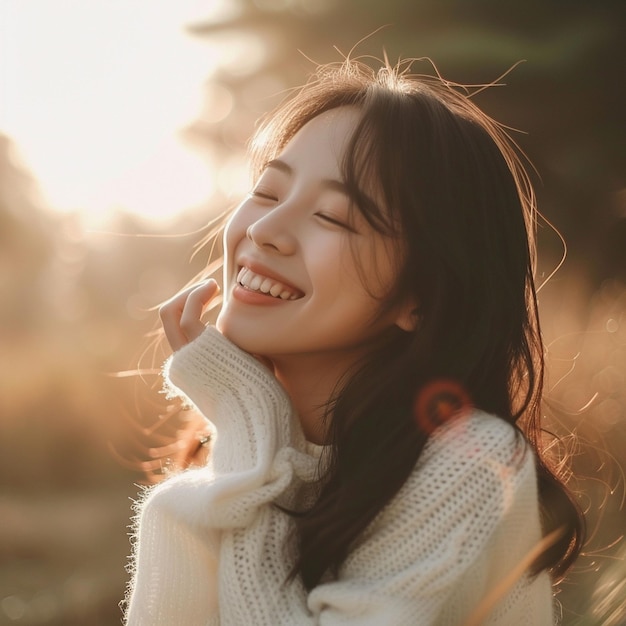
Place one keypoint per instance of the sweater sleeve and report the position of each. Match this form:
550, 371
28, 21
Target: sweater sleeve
255, 427
251, 412
179, 522
258, 454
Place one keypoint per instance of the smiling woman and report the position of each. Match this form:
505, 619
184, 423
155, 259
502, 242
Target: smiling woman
377, 451
94, 94
297, 227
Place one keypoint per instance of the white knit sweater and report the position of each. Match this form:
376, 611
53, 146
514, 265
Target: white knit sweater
211, 549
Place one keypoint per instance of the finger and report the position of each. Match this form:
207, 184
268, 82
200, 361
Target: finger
172, 311
190, 321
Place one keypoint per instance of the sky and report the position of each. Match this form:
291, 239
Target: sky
94, 94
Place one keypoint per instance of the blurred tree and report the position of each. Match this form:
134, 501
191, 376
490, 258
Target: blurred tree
73, 307
25, 244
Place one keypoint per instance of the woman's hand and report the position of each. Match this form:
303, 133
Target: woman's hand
181, 315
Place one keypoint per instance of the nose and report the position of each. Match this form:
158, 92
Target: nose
273, 233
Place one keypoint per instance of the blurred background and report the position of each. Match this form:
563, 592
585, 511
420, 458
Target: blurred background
122, 133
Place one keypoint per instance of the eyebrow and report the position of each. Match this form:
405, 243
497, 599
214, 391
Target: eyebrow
330, 183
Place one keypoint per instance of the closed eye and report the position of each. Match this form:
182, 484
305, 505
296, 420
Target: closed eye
263, 195
335, 222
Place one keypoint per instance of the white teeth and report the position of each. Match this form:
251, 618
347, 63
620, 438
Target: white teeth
256, 282
242, 272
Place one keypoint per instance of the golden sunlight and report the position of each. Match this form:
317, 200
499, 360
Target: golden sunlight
95, 93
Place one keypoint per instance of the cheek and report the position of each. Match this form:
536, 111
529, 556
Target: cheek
234, 232
386, 265
371, 269
235, 229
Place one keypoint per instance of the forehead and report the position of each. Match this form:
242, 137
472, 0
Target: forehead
321, 143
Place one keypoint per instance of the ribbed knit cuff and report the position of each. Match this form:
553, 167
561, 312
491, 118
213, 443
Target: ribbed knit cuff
251, 412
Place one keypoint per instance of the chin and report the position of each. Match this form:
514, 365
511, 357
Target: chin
224, 325
233, 331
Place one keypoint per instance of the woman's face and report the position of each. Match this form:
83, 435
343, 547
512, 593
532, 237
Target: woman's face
295, 262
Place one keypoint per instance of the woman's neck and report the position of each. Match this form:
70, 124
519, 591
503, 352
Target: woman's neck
310, 381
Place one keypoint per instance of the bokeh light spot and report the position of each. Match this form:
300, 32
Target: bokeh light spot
13, 607
612, 325
438, 402
218, 103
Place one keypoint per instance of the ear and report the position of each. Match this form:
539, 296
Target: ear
408, 317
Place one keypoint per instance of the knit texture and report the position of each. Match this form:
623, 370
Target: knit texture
211, 548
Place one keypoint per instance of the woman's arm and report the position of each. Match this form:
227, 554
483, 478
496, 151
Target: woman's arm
178, 524
180, 521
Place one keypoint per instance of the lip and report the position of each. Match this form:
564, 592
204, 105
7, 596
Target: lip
263, 270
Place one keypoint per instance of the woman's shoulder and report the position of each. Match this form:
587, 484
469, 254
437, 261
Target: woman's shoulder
472, 490
475, 460
474, 437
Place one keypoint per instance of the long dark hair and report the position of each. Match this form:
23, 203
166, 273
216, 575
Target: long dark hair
426, 166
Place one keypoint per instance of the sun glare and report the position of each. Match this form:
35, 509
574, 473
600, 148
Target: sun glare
94, 95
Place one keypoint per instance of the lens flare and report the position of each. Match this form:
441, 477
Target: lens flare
440, 401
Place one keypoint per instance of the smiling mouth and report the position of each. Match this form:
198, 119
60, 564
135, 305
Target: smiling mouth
268, 286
